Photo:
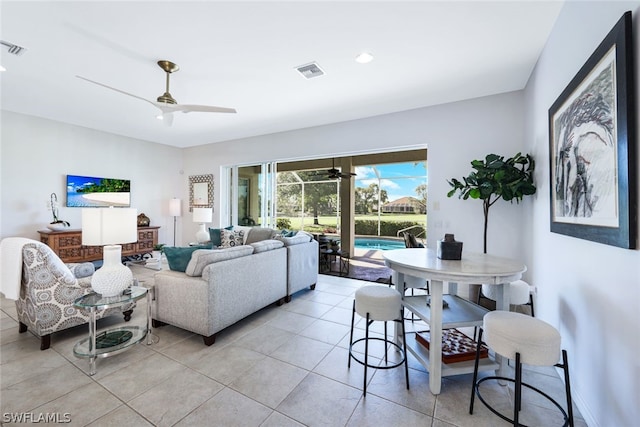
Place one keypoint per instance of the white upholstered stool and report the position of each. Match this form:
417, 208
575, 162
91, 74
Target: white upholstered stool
378, 303
520, 293
526, 340
413, 283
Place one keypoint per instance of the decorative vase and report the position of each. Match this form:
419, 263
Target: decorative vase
113, 277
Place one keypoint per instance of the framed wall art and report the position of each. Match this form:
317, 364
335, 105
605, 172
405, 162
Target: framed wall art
592, 147
200, 191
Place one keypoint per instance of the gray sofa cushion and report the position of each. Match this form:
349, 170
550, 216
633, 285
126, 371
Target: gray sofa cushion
266, 245
295, 240
257, 234
203, 257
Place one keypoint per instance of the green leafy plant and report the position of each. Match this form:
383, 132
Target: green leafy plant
159, 247
495, 178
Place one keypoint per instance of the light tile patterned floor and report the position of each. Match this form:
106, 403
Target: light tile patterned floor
282, 366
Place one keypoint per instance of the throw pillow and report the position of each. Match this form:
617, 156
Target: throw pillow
257, 234
201, 258
178, 258
215, 235
287, 233
229, 238
82, 269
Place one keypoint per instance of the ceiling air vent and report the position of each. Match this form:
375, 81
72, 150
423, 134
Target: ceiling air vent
310, 70
13, 48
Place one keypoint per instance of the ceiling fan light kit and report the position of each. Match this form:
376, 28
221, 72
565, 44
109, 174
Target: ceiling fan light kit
165, 102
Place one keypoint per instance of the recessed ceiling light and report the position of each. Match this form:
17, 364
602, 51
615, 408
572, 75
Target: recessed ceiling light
364, 58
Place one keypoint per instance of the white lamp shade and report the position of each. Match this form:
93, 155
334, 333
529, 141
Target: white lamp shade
109, 226
175, 207
202, 215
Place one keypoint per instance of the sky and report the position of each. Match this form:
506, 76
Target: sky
399, 179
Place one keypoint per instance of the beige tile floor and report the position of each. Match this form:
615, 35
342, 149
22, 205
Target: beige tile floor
282, 366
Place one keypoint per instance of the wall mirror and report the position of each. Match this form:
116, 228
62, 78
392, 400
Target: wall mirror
200, 191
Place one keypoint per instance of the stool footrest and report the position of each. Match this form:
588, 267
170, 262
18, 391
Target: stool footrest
404, 356
542, 393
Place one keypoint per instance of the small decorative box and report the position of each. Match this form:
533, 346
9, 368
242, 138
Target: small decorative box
449, 249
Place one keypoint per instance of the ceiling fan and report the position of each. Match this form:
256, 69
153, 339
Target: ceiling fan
334, 173
165, 102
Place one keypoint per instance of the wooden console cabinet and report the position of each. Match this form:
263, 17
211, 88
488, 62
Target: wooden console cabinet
67, 244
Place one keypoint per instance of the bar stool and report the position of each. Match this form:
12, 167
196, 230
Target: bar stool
519, 294
529, 341
413, 283
378, 303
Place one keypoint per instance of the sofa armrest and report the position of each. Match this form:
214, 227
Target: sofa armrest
302, 266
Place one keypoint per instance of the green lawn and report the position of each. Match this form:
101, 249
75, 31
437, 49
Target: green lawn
331, 221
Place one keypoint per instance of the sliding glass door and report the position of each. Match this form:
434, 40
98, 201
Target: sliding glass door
252, 195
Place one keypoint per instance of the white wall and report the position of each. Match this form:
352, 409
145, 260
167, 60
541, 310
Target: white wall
590, 291
37, 154
454, 134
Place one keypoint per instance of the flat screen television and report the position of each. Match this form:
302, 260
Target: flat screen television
88, 191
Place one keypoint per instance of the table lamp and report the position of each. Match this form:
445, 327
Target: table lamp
110, 227
175, 210
202, 215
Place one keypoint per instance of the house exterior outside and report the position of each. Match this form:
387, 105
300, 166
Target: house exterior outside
404, 205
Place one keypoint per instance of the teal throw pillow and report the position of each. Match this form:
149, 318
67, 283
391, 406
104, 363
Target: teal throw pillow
216, 237
179, 258
287, 233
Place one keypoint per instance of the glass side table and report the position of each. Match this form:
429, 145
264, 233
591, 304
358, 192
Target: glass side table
115, 340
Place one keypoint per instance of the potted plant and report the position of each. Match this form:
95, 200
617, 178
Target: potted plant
157, 250
495, 178
56, 224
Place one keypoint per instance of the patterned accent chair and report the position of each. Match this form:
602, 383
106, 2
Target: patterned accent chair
47, 292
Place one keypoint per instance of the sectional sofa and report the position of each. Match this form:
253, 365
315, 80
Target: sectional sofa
221, 286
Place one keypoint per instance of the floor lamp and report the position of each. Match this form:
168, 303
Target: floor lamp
175, 210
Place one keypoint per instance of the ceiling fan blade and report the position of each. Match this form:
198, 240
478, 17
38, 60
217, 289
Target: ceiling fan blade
187, 108
117, 90
169, 106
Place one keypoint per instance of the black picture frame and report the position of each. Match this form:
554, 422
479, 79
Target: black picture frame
592, 147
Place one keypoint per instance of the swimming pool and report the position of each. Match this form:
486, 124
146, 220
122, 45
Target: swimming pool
378, 243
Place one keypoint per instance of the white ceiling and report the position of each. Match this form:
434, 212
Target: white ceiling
243, 55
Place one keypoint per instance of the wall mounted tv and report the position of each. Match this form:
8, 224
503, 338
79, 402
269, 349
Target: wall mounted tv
88, 191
